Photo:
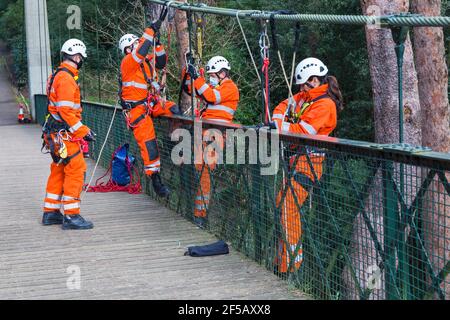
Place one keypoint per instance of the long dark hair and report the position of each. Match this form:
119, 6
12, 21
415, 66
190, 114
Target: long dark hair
334, 92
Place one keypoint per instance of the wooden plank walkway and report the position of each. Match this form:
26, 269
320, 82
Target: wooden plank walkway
135, 250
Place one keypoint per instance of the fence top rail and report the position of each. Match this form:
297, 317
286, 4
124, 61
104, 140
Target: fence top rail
395, 20
395, 152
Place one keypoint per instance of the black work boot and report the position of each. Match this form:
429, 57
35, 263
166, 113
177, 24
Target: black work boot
200, 222
51, 218
160, 189
76, 222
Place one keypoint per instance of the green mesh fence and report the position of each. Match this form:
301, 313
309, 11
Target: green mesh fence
372, 220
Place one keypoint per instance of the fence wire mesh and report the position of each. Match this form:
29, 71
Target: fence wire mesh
335, 220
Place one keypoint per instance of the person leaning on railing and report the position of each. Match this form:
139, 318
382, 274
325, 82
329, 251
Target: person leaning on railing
221, 98
311, 111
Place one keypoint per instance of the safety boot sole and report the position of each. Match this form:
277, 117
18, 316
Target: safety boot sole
71, 227
51, 222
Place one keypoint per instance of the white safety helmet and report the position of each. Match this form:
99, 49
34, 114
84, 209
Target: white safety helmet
126, 41
308, 68
74, 46
217, 63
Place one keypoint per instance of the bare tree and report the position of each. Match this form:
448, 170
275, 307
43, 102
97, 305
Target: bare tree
383, 69
181, 24
432, 72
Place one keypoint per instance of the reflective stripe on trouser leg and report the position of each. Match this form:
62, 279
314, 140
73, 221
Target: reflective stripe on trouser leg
52, 200
71, 207
291, 224
153, 164
73, 181
203, 194
146, 139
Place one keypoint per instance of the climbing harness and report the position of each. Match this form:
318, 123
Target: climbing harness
153, 102
55, 132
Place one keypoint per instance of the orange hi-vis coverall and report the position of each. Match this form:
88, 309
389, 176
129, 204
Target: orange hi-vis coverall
137, 75
317, 115
221, 105
65, 182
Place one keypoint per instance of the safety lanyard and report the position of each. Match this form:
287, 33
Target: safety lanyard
264, 45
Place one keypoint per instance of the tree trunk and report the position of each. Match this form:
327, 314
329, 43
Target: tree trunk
384, 76
432, 72
181, 25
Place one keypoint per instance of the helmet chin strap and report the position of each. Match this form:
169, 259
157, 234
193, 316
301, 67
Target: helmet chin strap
309, 85
78, 64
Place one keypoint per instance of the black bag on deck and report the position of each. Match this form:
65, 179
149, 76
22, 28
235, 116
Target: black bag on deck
219, 247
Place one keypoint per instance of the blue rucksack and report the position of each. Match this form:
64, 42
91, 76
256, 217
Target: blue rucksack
122, 166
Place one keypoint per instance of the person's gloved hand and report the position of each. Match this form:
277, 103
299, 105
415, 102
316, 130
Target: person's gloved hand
272, 125
156, 25
90, 136
189, 57
192, 71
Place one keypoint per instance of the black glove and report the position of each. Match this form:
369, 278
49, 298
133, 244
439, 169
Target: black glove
90, 136
272, 125
192, 71
189, 57
156, 25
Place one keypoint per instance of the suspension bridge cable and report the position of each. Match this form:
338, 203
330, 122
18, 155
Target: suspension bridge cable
404, 19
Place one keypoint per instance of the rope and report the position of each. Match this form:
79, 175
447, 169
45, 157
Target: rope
384, 21
100, 154
111, 186
247, 45
264, 44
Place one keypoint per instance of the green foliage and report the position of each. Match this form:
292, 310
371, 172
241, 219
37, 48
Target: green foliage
342, 48
13, 34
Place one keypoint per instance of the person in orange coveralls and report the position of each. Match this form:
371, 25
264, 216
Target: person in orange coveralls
140, 98
311, 111
63, 132
221, 98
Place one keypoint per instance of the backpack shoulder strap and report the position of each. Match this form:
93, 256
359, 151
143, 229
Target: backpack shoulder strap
147, 61
52, 79
324, 96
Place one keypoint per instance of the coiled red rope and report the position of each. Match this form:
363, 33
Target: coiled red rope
134, 187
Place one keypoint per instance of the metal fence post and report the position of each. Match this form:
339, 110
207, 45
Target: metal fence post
390, 219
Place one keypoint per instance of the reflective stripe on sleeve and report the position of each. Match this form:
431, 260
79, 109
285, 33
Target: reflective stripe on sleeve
135, 84
136, 58
286, 126
218, 120
75, 127
218, 96
308, 127
148, 37
160, 53
64, 103
221, 108
202, 89
277, 116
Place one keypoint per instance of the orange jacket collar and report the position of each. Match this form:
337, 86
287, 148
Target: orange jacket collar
317, 92
71, 68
